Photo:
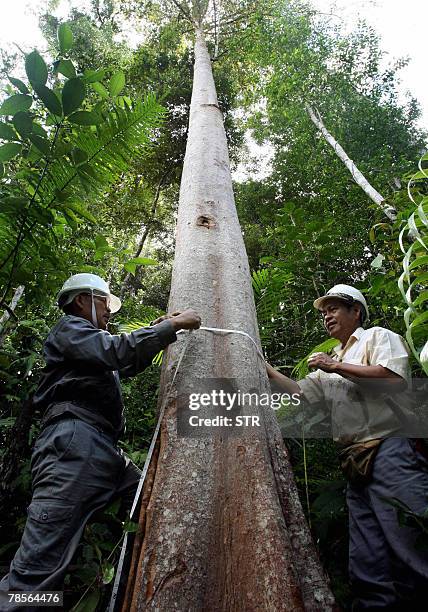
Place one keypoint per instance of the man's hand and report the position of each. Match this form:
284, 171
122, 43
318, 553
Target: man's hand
322, 361
281, 381
188, 319
159, 320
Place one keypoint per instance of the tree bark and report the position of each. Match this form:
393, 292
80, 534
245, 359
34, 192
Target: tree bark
9, 311
358, 176
223, 526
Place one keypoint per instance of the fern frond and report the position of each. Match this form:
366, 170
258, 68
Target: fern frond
110, 149
301, 369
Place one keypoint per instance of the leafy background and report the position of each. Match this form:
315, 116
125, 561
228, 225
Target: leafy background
92, 143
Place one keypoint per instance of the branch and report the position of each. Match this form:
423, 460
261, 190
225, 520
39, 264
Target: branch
97, 10
9, 312
215, 30
148, 228
357, 175
183, 11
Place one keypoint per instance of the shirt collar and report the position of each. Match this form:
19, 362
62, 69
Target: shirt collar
354, 337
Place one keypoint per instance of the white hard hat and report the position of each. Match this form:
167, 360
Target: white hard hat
79, 283
344, 292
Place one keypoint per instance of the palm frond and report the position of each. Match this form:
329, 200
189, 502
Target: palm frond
149, 315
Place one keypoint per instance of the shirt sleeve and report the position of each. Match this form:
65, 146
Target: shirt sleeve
390, 351
311, 387
78, 340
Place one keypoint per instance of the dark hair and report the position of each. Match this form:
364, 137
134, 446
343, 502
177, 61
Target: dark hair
350, 303
69, 308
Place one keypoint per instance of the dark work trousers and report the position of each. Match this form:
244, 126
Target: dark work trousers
76, 471
387, 567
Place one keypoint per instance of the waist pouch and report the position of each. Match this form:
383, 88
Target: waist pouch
357, 461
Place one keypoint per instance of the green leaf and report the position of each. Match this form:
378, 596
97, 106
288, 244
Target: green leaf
79, 156
37, 129
113, 508
131, 265
63, 148
419, 261
93, 76
65, 37
1, 170
9, 151
423, 297
36, 69
88, 603
130, 527
108, 573
49, 99
301, 369
73, 95
42, 144
23, 123
6, 132
143, 261
20, 85
419, 320
15, 104
377, 261
131, 268
85, 118
14, 203
66, 67
80, 211
100, 89
117, 83
87, 169
101, 242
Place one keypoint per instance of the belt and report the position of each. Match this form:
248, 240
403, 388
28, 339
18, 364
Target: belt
71, 417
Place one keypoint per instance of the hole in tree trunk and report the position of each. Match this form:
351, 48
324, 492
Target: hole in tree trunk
205, 221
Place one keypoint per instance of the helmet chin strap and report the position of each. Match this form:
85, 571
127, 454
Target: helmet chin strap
94, 312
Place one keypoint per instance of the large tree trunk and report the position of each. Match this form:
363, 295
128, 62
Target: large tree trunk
357, 175
223, 528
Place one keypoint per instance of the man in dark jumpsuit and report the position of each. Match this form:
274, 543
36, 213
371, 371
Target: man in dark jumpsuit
77, 467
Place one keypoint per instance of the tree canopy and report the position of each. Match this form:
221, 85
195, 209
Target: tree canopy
92, 141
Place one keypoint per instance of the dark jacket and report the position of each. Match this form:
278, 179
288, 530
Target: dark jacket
83, 365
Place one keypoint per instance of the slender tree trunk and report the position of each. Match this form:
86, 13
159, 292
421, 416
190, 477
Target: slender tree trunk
223, 528
8, 312
358, 177
127, 280
148, 228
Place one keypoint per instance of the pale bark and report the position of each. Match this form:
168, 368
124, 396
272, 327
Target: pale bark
357, 175
9, 311
223, 526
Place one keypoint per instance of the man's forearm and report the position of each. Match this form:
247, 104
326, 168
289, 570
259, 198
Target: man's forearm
283, 382
362, 374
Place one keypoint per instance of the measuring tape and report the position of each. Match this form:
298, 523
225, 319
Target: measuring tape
215, 330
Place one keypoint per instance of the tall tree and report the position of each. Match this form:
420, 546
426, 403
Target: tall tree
217, 505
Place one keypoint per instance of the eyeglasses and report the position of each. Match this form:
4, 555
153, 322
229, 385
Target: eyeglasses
105, 298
